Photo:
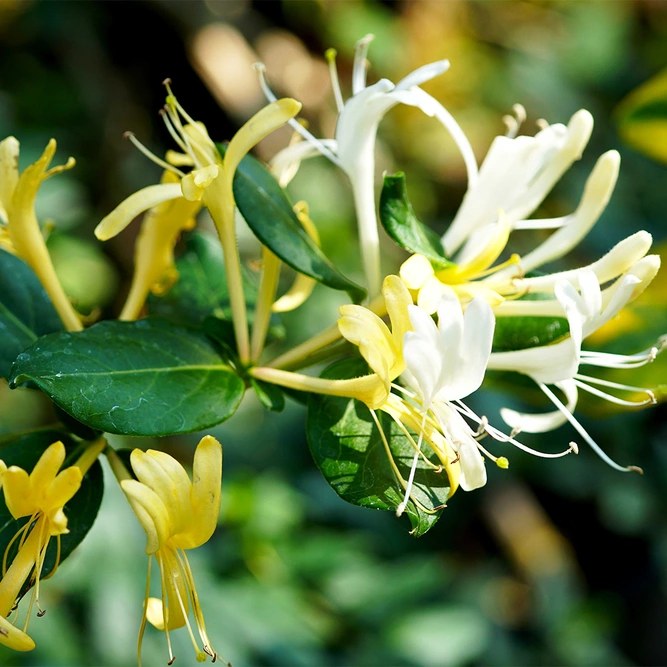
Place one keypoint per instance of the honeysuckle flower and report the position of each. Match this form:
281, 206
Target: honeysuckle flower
559, 364
379, 346
177, 514
353, 149
154, 267
20, 228
446, 363
514, 178
41, 496
209, 182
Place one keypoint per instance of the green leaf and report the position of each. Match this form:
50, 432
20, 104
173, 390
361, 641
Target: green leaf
400, 222
81, 510
348, 449
519, 333
26, 312
269, 395
201, 289
148, 377
268, 212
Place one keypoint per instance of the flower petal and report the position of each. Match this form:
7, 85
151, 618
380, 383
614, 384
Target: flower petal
9, 173
136, 203
151, 512
205, 495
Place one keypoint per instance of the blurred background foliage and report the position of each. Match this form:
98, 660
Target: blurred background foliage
553, 562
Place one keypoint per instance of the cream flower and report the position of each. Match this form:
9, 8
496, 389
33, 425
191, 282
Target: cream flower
21, 232
177, 514
353, 148
559, 364
41, 496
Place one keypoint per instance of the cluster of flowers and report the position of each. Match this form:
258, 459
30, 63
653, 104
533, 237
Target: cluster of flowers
420, 370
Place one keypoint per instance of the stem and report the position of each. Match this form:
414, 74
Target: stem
267, 295
90, 455
222, 211
301, 355
117, 466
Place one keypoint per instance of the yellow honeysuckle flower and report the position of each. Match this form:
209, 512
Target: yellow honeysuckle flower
22, 234
154, 268
209, 181
40, 495
177, 514
380, 347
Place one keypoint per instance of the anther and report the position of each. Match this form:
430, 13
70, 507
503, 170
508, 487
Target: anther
574, 447
41, 613
635, 469
128, 135
457, 459
167, 82
481, 429
173, 659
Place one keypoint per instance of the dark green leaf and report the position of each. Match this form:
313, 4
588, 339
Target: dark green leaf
519, 333
81, 510
75, 426
348, 449
148, 377
270, 396
26, 312
201, 289
268, 212
399, 220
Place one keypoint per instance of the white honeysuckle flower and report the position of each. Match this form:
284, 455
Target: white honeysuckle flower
445, 363
516, 175
586, 310
353, 149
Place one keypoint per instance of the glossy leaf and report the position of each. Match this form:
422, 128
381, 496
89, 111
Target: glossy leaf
519, 333
136, 378
268, 212
81, 510
400, 222
348, 449
26, 312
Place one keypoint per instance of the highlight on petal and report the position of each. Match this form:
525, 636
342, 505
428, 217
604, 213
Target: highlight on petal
135, 204
9, 174
415, 271
195, 183
205, 495
151, 512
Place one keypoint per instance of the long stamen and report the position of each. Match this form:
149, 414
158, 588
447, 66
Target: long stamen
172, 130
165, 609
497, 434
152, 157
172, 101
330, 55
582, 431
401, 508
260, 68
142, 627
178, 126
650, 400
184, 611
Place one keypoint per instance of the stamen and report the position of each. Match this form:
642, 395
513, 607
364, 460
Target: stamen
513, 123
173, 117
360, 63
260, 68
172, 131
151, 156
401, 508
542, 124
165, 610
330, 55
582, 431
579, 381
142, 627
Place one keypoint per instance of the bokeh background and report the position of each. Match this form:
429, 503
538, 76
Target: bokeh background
553, 562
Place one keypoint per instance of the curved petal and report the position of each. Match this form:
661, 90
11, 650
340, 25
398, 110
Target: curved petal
597, 192
167, 477
151, 512
13, 638
62, 489
205, 495
19, 498
136, 203
544, 421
